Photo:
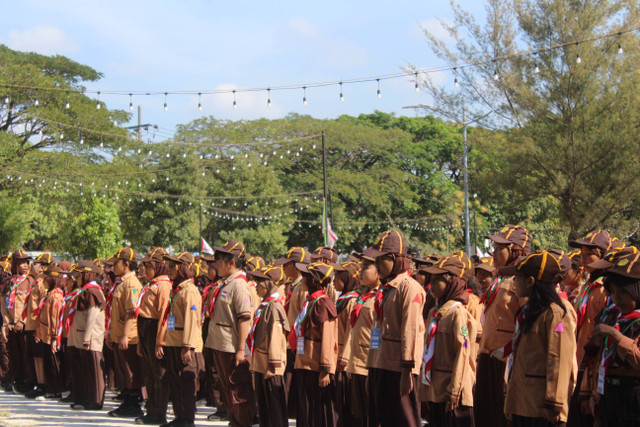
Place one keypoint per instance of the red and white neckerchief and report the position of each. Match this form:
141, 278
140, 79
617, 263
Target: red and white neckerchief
15, 282
256, 318
205, 294
174, 292
357, 308
51, 293
342, 299
622, 321
287, 300
561, 292
492, 290
72, 310
25, 309
301, 321
108, 304
154, 284
430, 347
220, 286
583, 301
381, 297
61, 320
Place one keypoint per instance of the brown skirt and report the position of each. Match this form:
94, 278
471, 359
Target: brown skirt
128, 368
488, 398
316, 406
387, 407
272, 404
92, 378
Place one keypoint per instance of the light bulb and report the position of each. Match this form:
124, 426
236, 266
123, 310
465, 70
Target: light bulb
36, 102
578, 59
61, 135
81, 141
620, 51
304, 101
101, 144
6, 99
165, 107
455, 82
269, 103
131, 106
199, 107
379, 94
168, 155
417, 87
184, 155
496, 76
67, 105
98, 106
341, 97
235, 105
537, 69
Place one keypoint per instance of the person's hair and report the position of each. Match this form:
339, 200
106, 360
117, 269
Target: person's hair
473, 285
227, 257
542, 295
159, 268
202, 281
88, 276
15, 263
184, 272
515, 253
55, 282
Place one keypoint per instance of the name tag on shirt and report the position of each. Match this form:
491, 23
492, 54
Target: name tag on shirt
375, 339
300, 345
171, 323
601, 373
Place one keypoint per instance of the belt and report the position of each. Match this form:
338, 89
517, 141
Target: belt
623, 381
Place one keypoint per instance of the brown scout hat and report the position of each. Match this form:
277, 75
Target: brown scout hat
54, 271
182, 258
110, 261
44, 258
253, 263
85, 266
232, 247
599, 239
575, 258
5, 266
486, 264
512, 234
325, 252
358, 256
295, 254
457, 264
427, 261
125, 254
389, 242
541, 264
624, 263
155, 254
320, 271
563, 260
275, 273
20, 254
608, 261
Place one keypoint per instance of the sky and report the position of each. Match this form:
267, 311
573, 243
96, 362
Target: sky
199, 45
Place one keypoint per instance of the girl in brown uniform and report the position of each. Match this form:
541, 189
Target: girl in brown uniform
267, 342
65, 342
542, 364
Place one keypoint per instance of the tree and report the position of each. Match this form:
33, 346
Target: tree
569, 126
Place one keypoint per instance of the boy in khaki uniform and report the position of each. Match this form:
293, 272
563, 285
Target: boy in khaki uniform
449, 360
123, 334
251, 264
542, 362
228, 331
267, 343
398, 335
183, 339
152, 303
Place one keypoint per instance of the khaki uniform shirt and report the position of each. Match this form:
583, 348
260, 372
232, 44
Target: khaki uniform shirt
500, 318
37, 293
344, 331
125, 298
453, 372
595, 304
629, 351
47, 328
155, 299
320, 348
186, 307
544, 368
89, 328
15, 314
298, 298
233, 302
254, 295
402, 330
359, 340
273, 349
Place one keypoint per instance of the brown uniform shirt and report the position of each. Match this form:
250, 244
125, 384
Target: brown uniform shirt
298, 298
271, 349
629, 351
38, 292
155, 299
89, 319
500, 318
254, 295
453, 372
344, 331
320, 348
544, 367
125, 298
186, 307
595, 304
47, 328
14, 313
232, 303
359, 339
402, 329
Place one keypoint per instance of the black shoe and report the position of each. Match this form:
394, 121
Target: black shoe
187, 423
152, 420
119, 397
127, 411
66, 400
37, 392
22, 388
175, 423
7, 387
218, 416
77, 406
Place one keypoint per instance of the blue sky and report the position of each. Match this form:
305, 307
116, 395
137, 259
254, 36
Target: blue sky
199, 45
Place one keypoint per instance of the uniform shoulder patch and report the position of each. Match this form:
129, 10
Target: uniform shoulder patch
559, 328
193, 307
417, 299
465, 331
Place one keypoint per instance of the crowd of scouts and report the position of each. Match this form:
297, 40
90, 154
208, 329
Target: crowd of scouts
386, 338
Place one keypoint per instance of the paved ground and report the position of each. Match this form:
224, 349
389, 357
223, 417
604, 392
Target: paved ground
18, 411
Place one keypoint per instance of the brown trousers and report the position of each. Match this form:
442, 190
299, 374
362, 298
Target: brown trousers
358, 401
182, 380
461, 417
272, 403
128, 368
316, 406
237, 390
212, 380
72, 360
387, 407
109, 369
152, 369
343, 400
488, 396
53, 372
576, 417
4, 362
91, 365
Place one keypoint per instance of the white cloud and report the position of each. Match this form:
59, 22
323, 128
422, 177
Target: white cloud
301, 26
434, 26
43, 39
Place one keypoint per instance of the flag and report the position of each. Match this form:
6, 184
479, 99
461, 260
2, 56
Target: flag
330, 238
205, 248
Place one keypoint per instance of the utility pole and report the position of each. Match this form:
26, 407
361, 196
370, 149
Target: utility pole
324, 179
138, 128
139, 123
466, 179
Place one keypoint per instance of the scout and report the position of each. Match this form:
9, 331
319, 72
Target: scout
65, 341
361, 320
484, 271
542, 363
449, 360
228, 331
123, 334
315, 337
618, 377
398, 335
21, 283
267, 342
183, 339
500, 307
89, 327
47, 314
35, 295
151, 305
253, 263
5, 281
